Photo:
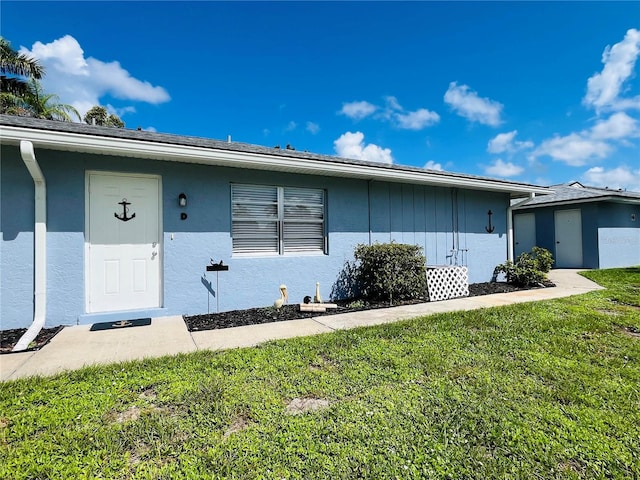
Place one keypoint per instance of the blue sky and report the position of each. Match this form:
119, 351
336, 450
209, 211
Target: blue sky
541, 92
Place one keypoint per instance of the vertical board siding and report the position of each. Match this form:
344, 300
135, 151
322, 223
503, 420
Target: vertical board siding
443, 226
408, 215
396, 211
419, 219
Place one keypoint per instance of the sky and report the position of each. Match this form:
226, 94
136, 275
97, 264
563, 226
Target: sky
540, 92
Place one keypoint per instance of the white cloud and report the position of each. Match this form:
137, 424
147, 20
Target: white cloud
504, 142
119, 83
431, 165
392, 112
620, 177
393, 104
400, 118
617, 126
313, 128
358, 110
81, 81
416, 120
120, 111
469, 105
573, 149
503, 169
581, 148
63, 55
351, 145
604, 88
501, 142
291, 126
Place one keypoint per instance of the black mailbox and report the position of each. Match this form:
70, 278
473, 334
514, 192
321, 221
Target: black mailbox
217, 267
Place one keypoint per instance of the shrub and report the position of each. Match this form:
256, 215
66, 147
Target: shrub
529, 268
543, 258
390, 271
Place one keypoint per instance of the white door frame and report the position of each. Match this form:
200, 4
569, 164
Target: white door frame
87, 239
568, 261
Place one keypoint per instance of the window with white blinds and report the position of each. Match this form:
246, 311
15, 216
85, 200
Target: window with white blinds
277, 220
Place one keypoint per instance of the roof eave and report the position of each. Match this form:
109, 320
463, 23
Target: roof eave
608, 198
103, 145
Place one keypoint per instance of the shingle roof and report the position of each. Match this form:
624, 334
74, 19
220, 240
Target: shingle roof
575, 193
199, 142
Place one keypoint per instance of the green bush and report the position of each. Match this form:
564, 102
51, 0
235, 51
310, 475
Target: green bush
529, 268
390, 271
543, 258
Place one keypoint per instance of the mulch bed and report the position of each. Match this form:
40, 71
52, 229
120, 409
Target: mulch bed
9, 338
253, 316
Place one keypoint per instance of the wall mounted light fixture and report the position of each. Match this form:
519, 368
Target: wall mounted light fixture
182, 200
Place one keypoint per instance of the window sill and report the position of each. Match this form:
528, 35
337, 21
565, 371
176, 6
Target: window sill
276, 255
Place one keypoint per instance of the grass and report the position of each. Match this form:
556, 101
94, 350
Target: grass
540, 390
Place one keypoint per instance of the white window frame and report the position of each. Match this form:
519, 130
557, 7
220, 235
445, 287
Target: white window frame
280, 219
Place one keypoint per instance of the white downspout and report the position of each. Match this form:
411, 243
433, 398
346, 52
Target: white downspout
510, 239
40, 247
510, 233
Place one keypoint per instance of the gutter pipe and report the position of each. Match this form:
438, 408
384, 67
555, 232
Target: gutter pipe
40, 247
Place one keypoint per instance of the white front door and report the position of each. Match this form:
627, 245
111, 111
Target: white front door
568, 238
123, 241
524, 227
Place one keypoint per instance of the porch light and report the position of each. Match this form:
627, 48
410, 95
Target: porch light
182, 200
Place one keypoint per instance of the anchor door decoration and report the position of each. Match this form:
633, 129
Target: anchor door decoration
125, 211
490, 228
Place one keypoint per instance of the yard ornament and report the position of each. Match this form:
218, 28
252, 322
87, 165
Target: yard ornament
317, 298
284, 296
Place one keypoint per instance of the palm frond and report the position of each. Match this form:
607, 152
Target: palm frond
14, 63
13, 85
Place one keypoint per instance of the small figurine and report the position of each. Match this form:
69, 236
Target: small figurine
317, 298
283, 297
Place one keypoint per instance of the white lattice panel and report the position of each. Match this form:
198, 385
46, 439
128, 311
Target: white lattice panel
447, 282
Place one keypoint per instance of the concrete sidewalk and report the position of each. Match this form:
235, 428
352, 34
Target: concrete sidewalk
75, 347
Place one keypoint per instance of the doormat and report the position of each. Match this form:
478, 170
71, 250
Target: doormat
138, 322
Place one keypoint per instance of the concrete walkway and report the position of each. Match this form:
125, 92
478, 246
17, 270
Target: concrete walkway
75, 347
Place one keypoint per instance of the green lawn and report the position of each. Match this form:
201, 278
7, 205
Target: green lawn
541, 390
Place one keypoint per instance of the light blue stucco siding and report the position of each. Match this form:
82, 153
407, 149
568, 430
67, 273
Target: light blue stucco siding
610, 232
17, 222
618, 235
449, 224
619, 247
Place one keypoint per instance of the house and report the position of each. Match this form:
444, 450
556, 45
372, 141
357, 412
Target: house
102, 224
584, 227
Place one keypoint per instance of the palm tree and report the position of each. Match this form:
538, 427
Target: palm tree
37, 103
13, 66
98, 115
